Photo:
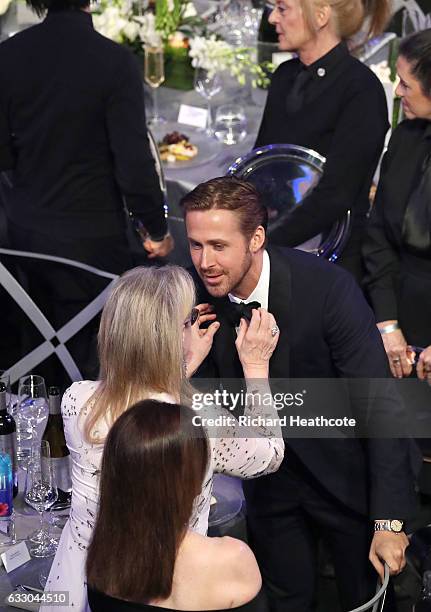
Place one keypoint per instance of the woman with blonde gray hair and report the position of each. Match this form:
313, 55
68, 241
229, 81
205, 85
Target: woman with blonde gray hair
150, 340
328, 101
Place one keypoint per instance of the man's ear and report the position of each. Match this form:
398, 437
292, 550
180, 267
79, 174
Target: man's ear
258, 239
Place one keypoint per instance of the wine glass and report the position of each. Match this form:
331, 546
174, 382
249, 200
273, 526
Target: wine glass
40, 494
230, 124
31, 414
154, 74
207, 84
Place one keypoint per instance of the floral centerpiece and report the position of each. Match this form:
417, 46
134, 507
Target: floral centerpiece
187, 43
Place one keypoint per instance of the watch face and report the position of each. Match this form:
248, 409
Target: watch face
396, 525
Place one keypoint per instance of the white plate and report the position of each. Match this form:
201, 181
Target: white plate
208, 148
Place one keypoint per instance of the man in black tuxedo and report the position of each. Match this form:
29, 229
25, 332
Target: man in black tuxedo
356, 493
74, 140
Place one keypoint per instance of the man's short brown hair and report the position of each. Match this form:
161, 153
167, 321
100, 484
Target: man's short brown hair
229, 193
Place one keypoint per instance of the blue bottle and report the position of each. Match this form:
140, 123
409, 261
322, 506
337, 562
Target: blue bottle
6, 486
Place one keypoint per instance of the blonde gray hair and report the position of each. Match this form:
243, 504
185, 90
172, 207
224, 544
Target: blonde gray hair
140, 342
349, 15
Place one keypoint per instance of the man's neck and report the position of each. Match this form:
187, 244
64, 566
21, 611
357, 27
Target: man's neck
251, 279
318, 47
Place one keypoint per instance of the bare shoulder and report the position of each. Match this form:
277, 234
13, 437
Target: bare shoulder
236, 565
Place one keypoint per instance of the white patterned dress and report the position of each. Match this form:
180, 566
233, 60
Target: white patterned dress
245, 457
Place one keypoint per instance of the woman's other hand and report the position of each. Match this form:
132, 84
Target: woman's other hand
423, 366
197, 341
396, 349
255, 343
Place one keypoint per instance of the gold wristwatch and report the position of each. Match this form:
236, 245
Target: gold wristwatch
394, 525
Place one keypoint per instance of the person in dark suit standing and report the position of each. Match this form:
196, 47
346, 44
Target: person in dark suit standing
328, 101
73, 136
355, 492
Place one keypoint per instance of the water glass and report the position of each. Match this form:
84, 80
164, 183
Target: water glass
230, 124
31, 414
41, 493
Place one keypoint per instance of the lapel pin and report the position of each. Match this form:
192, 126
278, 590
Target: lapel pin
321, 72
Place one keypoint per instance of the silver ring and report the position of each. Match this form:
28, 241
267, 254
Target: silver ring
397, 360
274, 330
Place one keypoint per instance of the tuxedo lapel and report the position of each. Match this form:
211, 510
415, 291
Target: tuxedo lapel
279, 304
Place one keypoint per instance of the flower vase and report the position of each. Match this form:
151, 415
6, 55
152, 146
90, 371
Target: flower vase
179, 72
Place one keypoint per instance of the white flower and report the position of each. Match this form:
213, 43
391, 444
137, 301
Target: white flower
4, 5
210, 54
147, 32
189, 10
383, 73
131, 30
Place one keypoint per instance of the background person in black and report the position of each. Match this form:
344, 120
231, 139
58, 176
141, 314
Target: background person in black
397, 246
73, 134
330, 102
333, 488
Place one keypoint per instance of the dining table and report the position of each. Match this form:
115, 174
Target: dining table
213, 159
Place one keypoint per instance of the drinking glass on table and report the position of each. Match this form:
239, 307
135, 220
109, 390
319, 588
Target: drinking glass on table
230, 124
31, 414
40, 494
207, 84
154, 74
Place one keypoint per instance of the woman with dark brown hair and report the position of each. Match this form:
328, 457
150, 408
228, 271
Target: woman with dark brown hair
397, 249
143, 555
328, 101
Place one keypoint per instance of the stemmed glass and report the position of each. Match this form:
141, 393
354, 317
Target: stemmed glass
31, 413
154, 74
207, 84
41, 493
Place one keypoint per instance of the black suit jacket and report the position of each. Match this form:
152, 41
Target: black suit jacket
384, 246
327, 330
72, 129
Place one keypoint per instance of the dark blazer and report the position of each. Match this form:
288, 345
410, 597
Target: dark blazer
344, 117
384, 248
327, 331
72, 129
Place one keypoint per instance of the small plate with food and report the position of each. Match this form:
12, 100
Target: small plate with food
183, 146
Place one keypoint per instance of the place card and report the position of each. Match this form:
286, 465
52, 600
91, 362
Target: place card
15, 556
193, 115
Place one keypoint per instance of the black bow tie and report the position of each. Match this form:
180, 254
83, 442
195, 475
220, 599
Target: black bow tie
235, 312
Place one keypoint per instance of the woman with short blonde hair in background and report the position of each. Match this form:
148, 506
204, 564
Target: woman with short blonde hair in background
149, 339
328, 101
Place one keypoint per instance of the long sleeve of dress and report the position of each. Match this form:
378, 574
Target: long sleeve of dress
251, 449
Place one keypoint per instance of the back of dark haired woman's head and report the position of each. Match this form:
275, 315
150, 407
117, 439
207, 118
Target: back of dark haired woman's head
41, 6
416, 50
153, 466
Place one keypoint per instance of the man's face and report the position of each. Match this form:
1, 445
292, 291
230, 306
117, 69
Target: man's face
219, 251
